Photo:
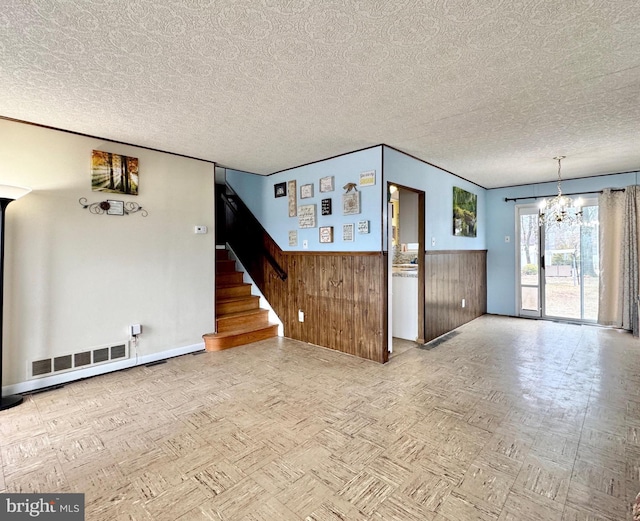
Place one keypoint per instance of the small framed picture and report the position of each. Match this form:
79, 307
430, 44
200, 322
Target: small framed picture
326, 207
293, 237
351, 203
306, 191
293, 201
114, 173
347, 232
326, 234
363, 226
368, 178
280, 189
326, 184
115, 207
307, 216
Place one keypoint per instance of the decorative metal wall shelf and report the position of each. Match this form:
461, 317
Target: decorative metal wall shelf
111, 207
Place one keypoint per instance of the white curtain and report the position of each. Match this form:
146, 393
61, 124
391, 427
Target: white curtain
611, 217
618, 214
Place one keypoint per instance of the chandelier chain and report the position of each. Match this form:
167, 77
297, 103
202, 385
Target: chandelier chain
559, 177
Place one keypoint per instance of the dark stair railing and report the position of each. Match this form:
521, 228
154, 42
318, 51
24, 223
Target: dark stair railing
246, 235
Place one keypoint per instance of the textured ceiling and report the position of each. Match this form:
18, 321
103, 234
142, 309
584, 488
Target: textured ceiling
491, 91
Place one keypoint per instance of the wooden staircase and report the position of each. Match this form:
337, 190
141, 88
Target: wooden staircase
239, 318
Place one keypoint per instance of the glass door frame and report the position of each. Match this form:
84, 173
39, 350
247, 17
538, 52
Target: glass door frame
520, 210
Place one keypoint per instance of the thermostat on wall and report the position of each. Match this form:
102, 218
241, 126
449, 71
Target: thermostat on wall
201, 229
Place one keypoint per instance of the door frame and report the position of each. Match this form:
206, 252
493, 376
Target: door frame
517, 247
421, 259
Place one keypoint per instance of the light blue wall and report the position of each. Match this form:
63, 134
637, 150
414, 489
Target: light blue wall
438, 186
501, 216
496, 218
257, 193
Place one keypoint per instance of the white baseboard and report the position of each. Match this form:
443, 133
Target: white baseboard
41, 383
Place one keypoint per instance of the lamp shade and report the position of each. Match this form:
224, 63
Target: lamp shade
13, 192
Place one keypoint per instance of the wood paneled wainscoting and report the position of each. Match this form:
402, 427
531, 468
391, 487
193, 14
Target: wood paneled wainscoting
451, 276
342, 296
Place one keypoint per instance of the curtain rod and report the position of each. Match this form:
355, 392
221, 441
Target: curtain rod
507, 199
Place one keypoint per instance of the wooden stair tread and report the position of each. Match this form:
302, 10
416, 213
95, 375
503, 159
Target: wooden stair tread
240, 319
234, 304
245, 313
223, 284
229, 274
225, 266
237, 332
239, 337
227, 300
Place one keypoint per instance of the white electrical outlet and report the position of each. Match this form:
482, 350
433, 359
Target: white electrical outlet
305, 246
201, 229
300, 315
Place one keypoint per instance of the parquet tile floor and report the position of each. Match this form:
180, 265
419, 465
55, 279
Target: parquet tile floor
509, 420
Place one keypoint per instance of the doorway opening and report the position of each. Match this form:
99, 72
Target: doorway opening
406, 247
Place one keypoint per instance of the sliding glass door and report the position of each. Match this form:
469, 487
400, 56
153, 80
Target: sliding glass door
570, 268
558, 266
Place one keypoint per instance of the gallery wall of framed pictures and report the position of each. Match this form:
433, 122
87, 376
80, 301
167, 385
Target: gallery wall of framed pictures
306, 212
453, 219
293, 205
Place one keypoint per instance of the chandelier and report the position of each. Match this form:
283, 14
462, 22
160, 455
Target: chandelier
560, 209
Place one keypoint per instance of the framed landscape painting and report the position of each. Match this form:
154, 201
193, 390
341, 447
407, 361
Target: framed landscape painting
114, 173
465, 213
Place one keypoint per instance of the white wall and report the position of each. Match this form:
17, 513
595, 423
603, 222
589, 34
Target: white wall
74, 280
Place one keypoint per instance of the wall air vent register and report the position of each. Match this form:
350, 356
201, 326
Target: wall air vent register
74, 361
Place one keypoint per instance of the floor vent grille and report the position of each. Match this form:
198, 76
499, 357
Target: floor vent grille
74, 361
439, 341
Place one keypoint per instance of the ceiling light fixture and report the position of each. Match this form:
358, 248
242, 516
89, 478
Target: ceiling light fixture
560, 209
